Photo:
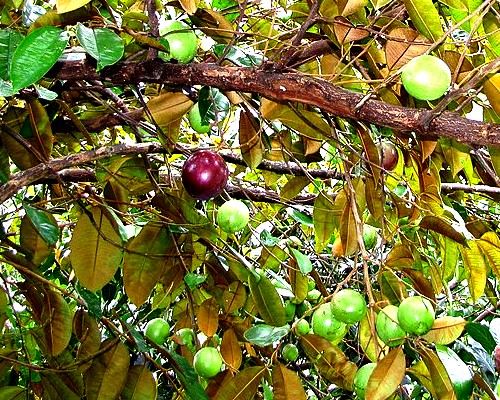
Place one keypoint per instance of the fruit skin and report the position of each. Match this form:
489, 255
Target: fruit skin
426, 77
416, 315
370, 236
389, 155
233, 216
302, 327
195, 121
204, 175
325, 325
290, 352
348, 306
207, 362
361, 379
388, 328
157, 330
183, 45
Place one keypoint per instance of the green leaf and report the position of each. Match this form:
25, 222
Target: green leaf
425, 17
56, 317
243, 386
140, 385
213, 105
102, 44
144, 261
9, 40
13, 393
96, 249
32, 242
481, 334
36, 55
492, 28
264, 335
303, 261
441, 383
459, 373
108, 373
237, 56
188, 377
267, 300
324, 215
44, 223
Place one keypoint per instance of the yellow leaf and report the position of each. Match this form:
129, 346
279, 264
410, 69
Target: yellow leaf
387, 375
475, 268
64, 6
446, 330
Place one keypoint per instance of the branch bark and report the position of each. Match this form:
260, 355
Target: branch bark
292, 87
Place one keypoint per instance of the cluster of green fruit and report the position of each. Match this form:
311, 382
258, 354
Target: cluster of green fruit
207, 361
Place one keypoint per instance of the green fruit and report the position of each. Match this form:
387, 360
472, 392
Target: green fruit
207, 362
180, 40
186, 336
302, 308
302, 327
361, 379
370, 236
459, 373
195, 121
325, 325
313, 295
290, 352
426, 77
233, 216
290, 310
388, 328
348, 306
157, 330
416, 315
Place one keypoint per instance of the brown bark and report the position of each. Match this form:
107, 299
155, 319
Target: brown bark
283, 87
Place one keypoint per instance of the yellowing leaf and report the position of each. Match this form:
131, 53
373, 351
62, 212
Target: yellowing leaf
490, 247
475, 268
442, 388
446, 330
348, 7
208, 317
287, 384
324, 214
243, 386
140, 384
96, 249
144, 261
190, 6
64, 6
56, 319
251, 145
387, 375
370, 343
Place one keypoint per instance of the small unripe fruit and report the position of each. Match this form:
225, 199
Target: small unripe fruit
290, 352
207, 362
348, 306
426, 77
416, 315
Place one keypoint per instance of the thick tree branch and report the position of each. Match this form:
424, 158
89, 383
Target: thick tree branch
280, 86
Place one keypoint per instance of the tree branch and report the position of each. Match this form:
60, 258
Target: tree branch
292, 87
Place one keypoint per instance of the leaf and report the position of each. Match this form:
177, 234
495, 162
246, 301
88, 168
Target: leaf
267, 300
243, 386
330, 360
64, 6
481, 334
188, 377
56, 319
33, 243
13, 393
303, 261
96, 249
490, 247
108, 373
140, 384
9, 40
234, 297
102, 44
475, 268
264, 335
44, 222
299, 283
323, 217
401, 47
56, 388
190, 6
492, 28
87, 332
446, 330
441, 384
36, 55
425, 17
371, 345
346, 32
208, 317
252, 148
348, 7
230, 349
144, 261
348, 232
459, 373
441, 226
287, 384
387, 375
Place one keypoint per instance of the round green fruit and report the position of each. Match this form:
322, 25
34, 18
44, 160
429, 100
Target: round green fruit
302, 327
361, 379
195, 120
290, 308
180, 40
186, 336
207, 362
388, 328
416, 315
426, 77
370, 236
324, 324
290, 352
348, 306
157, 330
233, 216
313, 295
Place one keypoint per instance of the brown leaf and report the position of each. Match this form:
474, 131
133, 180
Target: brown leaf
252, 148
387, 375
56, 319
230, 349
287, 384
243, 386
208, 317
